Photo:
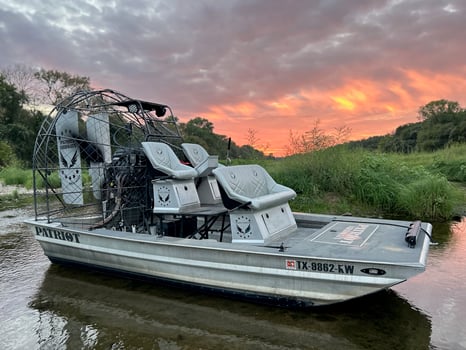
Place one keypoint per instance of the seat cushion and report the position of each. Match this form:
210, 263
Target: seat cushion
165, 160
252, 184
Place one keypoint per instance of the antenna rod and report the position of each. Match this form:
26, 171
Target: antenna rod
228, 151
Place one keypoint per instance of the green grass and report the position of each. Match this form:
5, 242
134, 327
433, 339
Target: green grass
23, 177
16, 176
14, 200
339, 180
450, 162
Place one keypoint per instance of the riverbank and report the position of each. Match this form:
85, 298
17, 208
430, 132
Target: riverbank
9, 190
338, 180
14, 196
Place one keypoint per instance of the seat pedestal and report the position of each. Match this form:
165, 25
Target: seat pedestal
260, 226
174, 196
208, 191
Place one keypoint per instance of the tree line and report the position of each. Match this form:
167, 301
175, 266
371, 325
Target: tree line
23, 90
441, 123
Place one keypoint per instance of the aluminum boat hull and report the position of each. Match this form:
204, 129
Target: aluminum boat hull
323, 275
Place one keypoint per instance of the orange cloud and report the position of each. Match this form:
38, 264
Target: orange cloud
367, 107
350, 99
344, 103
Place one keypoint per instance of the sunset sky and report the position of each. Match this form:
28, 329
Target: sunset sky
273, 66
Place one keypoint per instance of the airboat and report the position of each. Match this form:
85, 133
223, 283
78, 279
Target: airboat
116, 189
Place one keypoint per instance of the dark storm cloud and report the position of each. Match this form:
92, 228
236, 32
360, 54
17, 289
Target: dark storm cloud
199, 54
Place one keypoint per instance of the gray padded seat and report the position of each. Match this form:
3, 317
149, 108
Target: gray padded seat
200, 159
164, 159
252, 184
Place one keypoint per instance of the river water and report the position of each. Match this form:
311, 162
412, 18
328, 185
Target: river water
45, 306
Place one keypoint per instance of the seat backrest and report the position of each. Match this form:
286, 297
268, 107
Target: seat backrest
164, 159
195, 153
199, 158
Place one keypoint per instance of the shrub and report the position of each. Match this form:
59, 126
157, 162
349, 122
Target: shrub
339, 179
430, 196
15, 176
7, 155
375, 183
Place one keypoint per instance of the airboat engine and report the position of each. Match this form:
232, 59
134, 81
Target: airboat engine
126, 190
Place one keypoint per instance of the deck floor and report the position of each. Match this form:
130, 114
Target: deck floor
353, 241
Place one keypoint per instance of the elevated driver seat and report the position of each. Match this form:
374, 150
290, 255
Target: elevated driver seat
177, 192
204, 163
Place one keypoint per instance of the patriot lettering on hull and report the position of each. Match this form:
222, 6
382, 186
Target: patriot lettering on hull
58, 234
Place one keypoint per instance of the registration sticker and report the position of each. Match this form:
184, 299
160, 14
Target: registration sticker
291, 264
319, 266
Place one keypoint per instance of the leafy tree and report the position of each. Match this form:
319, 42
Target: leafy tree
438, 108
18, 126
6, 154
201, 131
44, 86
249, 152
23, 78
444, 123
24, 133
56, 85
200, 124
11, 102
403, 140
370, 143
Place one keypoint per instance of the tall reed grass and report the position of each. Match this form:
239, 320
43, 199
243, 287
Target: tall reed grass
338, 180
16, 176
450, 162
385, 184
24, 177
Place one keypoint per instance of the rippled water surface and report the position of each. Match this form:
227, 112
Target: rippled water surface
45, 306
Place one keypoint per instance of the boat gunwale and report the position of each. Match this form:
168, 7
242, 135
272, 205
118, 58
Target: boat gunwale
219, 246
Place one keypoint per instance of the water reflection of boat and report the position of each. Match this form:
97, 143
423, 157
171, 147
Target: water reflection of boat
441, 290
82, 310
228, 229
